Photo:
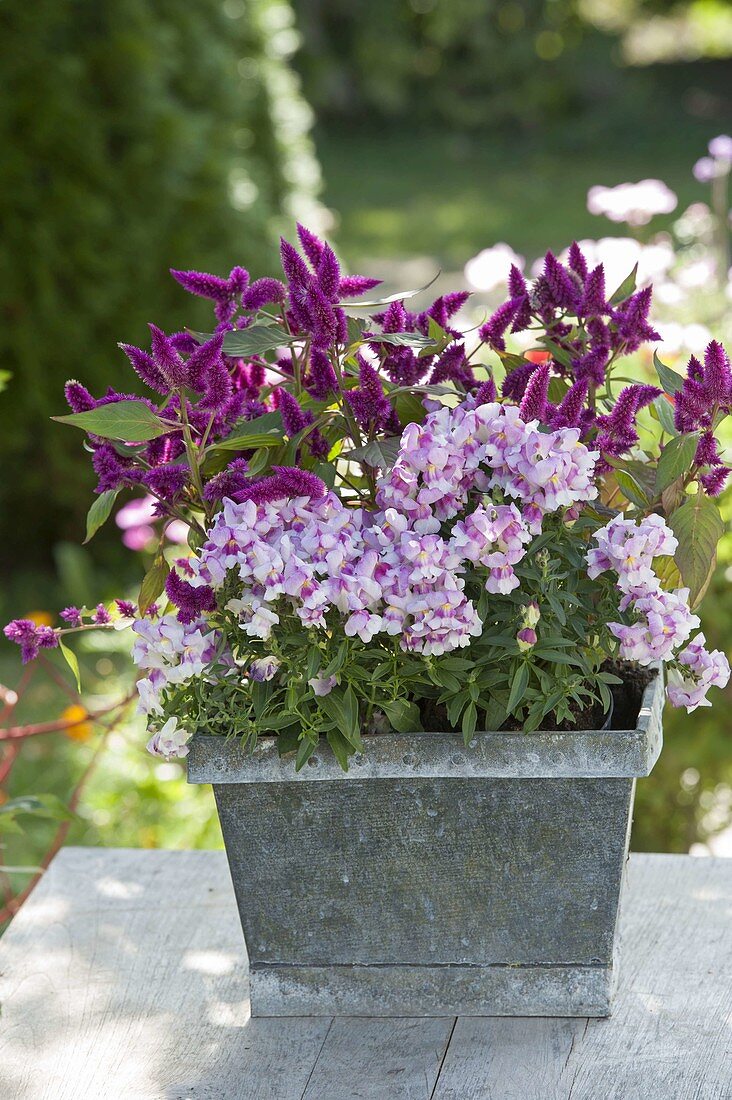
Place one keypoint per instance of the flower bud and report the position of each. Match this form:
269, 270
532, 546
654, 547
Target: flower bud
526, 638
531, 613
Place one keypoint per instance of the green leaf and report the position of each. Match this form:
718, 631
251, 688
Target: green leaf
379, 452
665, 414
399, 339
631, 489
403, 715
130, 421
263, 431
342, 708
626, 288
558, 390
676, 459
71, 660
519, 685
305, 750
557, 351
99, 512
153, 583
39, 805
698, 526
255, 340
669, 379
355, 326
401, 296
340, 746
470, 721
410, 409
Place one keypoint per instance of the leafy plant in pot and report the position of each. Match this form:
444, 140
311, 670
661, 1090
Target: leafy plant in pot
408, 606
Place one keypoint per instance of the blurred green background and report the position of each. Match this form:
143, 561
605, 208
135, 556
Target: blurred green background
416, 133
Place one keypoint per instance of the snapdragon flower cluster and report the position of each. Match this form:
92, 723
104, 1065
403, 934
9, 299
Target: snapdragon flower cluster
399, 571
661, 621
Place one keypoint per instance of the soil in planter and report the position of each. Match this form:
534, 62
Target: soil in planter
626, 705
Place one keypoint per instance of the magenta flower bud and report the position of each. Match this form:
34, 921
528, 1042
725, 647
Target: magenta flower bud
262, 292
311, 245
534, 402
526, 638
329, 273
78, 397
202, 285
577, 261
167, 359
352, 286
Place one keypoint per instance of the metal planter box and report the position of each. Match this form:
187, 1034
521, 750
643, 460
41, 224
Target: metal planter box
433, 879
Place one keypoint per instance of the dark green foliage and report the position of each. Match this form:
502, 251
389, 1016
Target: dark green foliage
136, 137
465, 62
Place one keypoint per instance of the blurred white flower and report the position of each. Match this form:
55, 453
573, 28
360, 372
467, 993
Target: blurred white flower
720, 148
677, 338
697, 274
634, 203
706, 169
619, 255
490, 268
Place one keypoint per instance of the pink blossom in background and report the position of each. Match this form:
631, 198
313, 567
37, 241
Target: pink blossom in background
136, 518
633, 203
491, 267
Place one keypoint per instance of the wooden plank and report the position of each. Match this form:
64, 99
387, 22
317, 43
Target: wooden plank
670, 1037
125, 977
370, 1059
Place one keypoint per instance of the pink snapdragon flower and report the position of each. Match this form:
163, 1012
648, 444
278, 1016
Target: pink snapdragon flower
170, 652
629, 548
706, 669
664, 622
170, 741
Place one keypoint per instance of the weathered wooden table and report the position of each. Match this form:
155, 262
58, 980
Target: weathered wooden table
125, 977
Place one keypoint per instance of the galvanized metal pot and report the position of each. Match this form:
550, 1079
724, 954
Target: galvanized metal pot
433, 879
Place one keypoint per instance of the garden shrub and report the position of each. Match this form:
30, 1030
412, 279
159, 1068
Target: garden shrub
135, 137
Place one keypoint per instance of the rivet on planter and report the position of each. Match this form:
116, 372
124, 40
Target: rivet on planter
313, 761
457, 758
408, 759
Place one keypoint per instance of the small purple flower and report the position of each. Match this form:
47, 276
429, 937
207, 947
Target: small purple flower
526, 638
146, 368
594, 301
698, 669
263, 668
353, 286
168, 480
294, 419
370, 405
534, 402
322, 685
101, 616
228, 482
287, 481
30, 637
190, 600
493, 330
321, 379
78, 397
263, 291
71, 615
126, 609
168, 361
714, 482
